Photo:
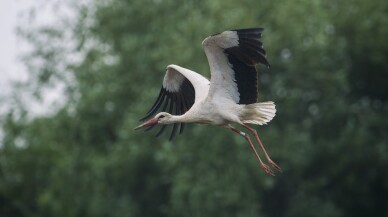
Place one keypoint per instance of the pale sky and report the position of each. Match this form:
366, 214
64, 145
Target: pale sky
10, 68
12, 47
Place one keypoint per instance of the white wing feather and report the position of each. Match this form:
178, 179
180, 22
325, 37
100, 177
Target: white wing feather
222, 80
175, 76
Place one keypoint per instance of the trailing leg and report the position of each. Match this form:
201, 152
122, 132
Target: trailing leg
270, 161
246, 136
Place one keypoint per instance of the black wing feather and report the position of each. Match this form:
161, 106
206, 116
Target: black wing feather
243, 59
250, 45
156, 106
181, 101
177, 111
157, 102
246, 80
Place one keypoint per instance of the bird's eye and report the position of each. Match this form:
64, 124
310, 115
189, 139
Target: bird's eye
161, 116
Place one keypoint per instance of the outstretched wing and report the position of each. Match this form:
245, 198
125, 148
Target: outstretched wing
232, 57
181, 88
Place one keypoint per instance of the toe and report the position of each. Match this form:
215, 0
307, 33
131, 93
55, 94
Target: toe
275, 166
267, 170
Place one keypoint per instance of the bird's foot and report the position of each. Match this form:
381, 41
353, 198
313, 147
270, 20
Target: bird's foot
267, 169
274, 165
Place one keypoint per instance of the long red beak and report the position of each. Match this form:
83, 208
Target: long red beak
150, 122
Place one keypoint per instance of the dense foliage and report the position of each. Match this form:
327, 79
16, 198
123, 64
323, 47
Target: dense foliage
329, 79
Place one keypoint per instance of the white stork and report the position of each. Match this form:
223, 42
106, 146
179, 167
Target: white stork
229, 97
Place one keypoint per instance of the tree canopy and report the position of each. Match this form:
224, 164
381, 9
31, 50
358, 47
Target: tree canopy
328, 78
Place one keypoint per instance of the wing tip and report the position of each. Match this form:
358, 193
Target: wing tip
182, 100
251, 50
171, 66
256, 30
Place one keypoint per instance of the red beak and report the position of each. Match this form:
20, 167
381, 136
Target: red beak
150, 122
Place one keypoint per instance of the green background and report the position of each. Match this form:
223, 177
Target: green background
328, 78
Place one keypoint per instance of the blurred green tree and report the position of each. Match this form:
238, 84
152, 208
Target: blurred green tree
328, 79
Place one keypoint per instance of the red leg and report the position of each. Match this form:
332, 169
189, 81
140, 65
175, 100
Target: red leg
273, 164
246, 136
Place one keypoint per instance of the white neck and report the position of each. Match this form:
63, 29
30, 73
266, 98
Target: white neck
175, 119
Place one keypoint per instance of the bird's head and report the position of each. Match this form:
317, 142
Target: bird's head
161, 118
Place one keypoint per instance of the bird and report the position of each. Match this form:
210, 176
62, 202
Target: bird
230, 97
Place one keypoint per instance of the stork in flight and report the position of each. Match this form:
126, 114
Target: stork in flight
229, 97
